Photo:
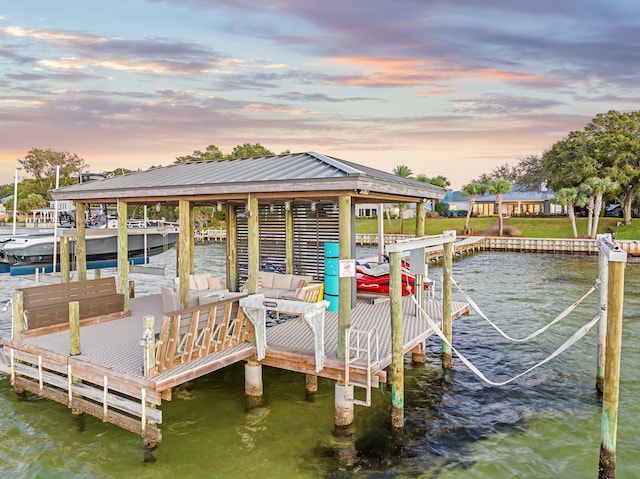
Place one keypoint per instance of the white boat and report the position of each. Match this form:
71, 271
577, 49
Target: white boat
38, 248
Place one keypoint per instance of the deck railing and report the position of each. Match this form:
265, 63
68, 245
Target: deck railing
199, 331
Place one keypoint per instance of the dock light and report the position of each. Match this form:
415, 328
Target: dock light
157, 207
219, 206
287, 205
313, 206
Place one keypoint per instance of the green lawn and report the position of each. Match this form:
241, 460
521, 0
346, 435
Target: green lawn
520, 226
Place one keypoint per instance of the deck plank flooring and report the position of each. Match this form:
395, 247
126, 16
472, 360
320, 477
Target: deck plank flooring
294, 338
115, 344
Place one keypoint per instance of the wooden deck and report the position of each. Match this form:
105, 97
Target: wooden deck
106, 380
290, 344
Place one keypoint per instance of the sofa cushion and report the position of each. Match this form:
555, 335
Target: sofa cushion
214, 283
169, 299
201, 281
267, 279
282, 281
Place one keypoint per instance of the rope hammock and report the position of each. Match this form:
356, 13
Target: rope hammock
558, 318
577, 336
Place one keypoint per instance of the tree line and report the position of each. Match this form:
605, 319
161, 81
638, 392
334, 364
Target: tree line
585, 169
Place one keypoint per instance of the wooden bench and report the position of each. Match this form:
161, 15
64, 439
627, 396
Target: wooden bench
48, 305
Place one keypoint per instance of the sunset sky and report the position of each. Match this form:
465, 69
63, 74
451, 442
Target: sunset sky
451, 88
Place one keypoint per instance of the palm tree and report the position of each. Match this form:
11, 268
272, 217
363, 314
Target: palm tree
602, 187
589, 187
473, 190
568, 197
405, 172
498, 187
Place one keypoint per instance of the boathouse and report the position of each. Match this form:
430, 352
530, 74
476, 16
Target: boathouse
281, 211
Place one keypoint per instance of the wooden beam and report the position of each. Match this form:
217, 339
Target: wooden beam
420, 218
254, 243
344, 291
232, 248
65, 260
81, 242
123, 253
397, 341
186, 252
447, 268
288, 221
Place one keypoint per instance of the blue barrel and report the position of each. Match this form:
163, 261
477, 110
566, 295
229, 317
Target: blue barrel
331, 285
332, 266
331, 250
333, 302
332, 274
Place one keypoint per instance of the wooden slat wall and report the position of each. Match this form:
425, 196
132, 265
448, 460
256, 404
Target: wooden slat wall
311, 229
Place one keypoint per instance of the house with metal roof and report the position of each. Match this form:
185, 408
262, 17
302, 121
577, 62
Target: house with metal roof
518, 202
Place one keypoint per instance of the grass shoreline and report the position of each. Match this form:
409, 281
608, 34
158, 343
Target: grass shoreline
526, 227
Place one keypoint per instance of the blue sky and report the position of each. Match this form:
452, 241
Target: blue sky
446, 88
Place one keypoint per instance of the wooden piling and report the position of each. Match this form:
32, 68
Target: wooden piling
232, 267
253, 224
253, 385
288, 222
311, 383
74, 328
601, 327
18, 313
81, 242
420, 207
65, 266
343, 411
615, 297
344, 283
123, 253
447, 267
132, 288
397, 346
149, 344
184, 266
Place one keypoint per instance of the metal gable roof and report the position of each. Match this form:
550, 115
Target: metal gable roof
260, 173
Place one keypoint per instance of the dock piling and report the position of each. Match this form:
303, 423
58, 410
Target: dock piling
397, 342
311, 384
343, 413
617, 260
148, 342
601, 327
74, 328
447, 268
253, 386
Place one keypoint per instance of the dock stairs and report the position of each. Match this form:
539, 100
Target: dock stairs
362, 353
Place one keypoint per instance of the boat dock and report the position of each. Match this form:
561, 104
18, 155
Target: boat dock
107, 379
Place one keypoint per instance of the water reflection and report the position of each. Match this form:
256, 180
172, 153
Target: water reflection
544, 424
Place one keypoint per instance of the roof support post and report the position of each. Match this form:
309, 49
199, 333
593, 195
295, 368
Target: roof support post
185, 259
288, 222
232, 248
65, 261
253, 243
123, 253
420, 218
344, 291
81, 242
192, 239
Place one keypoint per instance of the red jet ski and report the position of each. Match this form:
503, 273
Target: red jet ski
375, 279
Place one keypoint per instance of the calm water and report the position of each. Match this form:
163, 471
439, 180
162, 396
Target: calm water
543, 425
